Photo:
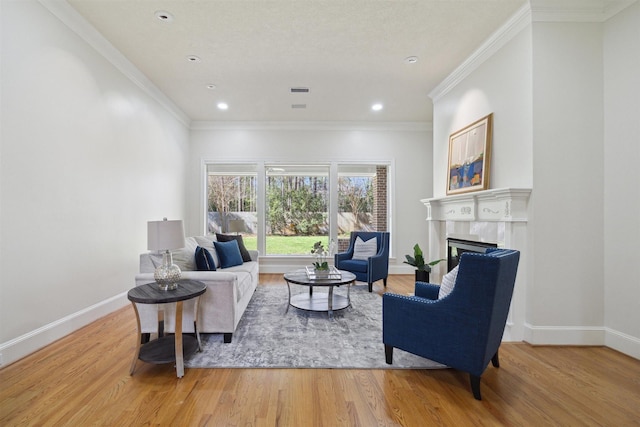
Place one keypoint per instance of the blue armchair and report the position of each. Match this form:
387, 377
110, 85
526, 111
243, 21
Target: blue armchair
462, 330
372, 269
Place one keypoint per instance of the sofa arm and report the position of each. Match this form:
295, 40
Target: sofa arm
254, 255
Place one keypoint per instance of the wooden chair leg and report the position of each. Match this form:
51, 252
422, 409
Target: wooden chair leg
388, 354
475, 386
384, 281
370, 287
495, 360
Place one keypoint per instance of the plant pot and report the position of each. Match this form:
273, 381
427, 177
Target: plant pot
321, 274
422, 276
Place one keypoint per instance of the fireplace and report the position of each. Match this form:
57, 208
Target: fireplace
456, 247
478, 220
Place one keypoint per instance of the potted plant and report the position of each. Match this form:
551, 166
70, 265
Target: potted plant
321, 266
417, 260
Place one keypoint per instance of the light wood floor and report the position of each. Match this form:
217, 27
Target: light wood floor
84, 380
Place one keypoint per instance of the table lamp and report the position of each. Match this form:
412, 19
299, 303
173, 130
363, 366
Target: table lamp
236, 225
164, 236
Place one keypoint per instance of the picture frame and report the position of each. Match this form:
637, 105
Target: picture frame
470, 157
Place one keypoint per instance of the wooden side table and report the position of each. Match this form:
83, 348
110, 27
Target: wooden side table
172, 348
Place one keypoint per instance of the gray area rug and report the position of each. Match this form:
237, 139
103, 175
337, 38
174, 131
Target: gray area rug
271, 334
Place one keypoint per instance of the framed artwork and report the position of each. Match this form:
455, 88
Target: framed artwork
469, 157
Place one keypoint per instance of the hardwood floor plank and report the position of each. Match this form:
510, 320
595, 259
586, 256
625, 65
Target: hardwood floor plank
83, 379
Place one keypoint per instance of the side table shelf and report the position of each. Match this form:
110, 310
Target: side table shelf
162, 350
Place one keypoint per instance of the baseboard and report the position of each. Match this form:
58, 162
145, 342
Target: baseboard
30, 342
623, 343
583, 335
564, 335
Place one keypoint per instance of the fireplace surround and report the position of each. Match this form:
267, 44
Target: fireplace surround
496, 218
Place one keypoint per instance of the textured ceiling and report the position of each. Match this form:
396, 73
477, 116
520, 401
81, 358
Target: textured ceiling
349, 53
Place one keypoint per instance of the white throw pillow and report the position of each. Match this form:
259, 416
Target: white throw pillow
363, 250
448, 281
185, 258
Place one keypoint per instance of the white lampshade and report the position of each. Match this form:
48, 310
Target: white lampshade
165, 235
236, 225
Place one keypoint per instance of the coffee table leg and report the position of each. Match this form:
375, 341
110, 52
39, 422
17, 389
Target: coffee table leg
179, 355
330, 302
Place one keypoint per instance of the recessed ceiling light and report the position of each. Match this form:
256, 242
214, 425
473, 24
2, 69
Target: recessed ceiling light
193, 58
211, 86
164, 16
376, 107
410, 59
223, 106
298, 106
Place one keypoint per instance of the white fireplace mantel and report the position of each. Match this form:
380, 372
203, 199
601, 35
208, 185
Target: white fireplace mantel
498, 205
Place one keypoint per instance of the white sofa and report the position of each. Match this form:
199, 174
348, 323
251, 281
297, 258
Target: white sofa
229, 291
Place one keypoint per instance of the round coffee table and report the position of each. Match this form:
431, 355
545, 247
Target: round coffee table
321, 301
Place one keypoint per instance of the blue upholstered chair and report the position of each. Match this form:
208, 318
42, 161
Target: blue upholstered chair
464, 329
371, 269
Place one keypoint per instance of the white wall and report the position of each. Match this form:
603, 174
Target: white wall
408, 147
87, 157
572, 89
568, 183
501, 86
621, 194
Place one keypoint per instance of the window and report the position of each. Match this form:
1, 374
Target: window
232, 201
297, 208
283, 209
355, 198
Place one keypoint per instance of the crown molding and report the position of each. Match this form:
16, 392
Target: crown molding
495, 42
319, 125
577, 10
76, 23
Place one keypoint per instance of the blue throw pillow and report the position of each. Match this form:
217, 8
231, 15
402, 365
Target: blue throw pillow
229, 253
246, 256
204, 260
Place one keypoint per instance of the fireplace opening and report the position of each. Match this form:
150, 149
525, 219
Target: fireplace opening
456, 247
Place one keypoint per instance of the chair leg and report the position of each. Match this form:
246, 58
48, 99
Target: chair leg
384, 281
388, 354
227, 338
370, 287
495, 360
475, 386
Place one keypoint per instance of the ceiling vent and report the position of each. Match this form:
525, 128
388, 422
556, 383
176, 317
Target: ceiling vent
294, 106
299, 90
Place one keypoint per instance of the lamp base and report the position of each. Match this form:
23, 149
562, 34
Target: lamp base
167, 286
168, 274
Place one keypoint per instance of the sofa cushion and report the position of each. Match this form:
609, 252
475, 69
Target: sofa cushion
246, 257
448, 282
206, 242
229, 253
204, 259
364, 249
